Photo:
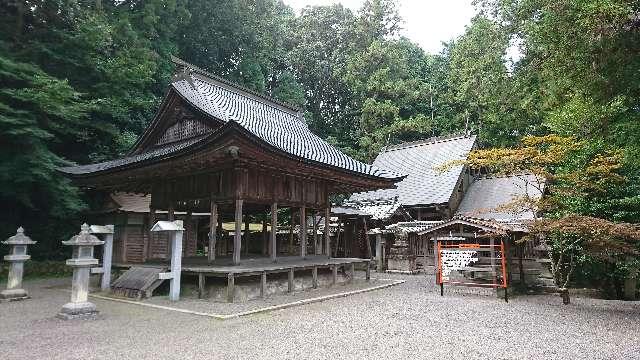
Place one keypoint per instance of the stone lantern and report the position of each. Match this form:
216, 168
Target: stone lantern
82, 260
17, 256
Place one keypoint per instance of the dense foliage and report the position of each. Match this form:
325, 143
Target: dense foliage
82, 78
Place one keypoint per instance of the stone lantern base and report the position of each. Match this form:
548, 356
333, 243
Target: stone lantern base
82, 310
13, 295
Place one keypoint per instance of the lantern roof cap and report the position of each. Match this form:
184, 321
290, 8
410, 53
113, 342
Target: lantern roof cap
19, 238
84, 237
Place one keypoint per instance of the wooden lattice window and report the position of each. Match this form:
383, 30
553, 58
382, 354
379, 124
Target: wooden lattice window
183, 129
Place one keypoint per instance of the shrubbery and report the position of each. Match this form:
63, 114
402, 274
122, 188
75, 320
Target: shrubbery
38, 269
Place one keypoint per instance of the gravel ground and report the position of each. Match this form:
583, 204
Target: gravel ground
410, 320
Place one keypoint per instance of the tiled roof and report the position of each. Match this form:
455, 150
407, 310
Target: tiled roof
280, 127
490, 226
412, 226
484, 197
425, 184
380, 209
275, 123
347, 210
157, 152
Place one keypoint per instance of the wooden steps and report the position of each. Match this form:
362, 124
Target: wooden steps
138, 282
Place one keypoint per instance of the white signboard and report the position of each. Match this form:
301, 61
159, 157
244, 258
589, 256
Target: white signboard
455, 260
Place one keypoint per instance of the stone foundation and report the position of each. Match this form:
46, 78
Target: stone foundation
248, 288
402, 264
13, 295
400, 258
82, 310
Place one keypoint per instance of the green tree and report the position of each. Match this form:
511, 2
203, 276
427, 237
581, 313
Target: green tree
320, 44
391, 94
481, 86
39, 114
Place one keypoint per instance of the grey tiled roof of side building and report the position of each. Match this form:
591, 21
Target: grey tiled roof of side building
485, 195
425, 184
277, 125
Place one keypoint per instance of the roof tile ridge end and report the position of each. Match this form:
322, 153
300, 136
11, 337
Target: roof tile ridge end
234, 85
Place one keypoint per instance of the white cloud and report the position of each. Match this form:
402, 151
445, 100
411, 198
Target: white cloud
426, 22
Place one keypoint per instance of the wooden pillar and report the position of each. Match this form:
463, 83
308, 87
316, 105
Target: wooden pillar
274, 231
263, 284
366, 237
379, 254
237, 237
327, 234
201, 285
303, 232
188, 224
435, 253
290, 283
314, 273
265, 237
213, 237
335, 253
352, 272
225, 241
123, 239
334, 274
247, 234
292, 223
152, 221
368, 271
145, 242
317, 247
230, 286
492, 243
171, 213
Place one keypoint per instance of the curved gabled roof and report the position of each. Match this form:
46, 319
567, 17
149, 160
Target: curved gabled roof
270, 122
281, 128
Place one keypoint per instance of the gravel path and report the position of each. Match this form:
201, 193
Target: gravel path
409, 320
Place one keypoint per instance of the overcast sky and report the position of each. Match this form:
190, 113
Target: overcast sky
426, 22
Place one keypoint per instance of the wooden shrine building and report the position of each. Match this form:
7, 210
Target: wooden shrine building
219, 149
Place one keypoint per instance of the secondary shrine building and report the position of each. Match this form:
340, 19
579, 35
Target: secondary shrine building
219, 153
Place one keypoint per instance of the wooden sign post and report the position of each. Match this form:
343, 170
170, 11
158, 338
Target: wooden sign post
175, 230
464, 259
107, 254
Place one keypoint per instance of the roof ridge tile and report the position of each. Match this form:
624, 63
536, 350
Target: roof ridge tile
428, 141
